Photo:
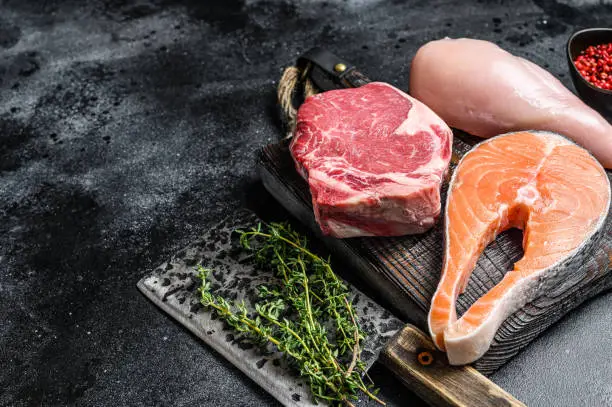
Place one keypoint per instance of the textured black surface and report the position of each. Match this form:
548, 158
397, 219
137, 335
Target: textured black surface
128, 128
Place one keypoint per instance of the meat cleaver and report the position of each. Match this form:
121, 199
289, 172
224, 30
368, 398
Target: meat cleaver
403, 348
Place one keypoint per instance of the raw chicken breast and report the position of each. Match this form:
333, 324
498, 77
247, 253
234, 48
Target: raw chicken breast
477, 87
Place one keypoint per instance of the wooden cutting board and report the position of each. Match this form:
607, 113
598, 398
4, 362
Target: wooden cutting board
404, 271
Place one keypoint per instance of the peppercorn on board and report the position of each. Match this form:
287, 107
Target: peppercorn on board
405, 270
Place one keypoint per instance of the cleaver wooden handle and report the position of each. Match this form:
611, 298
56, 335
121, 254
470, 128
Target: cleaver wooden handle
414, 359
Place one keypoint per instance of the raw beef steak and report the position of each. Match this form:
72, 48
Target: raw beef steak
374, 159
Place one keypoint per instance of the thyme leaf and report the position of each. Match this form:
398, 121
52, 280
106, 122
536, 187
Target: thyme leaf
307, 316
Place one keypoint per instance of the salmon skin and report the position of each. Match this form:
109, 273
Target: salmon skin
540, 182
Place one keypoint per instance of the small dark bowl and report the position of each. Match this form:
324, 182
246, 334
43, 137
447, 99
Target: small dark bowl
598, 99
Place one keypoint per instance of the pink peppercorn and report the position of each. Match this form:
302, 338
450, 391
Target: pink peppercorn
595, 65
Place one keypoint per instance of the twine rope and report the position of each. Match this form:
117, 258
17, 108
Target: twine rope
292, 78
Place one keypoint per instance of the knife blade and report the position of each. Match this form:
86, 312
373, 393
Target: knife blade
173, 287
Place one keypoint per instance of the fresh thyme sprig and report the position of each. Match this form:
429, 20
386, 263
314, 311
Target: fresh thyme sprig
307, 316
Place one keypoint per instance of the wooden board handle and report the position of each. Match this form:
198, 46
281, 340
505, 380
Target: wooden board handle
412, 356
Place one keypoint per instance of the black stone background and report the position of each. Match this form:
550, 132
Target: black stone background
129, 128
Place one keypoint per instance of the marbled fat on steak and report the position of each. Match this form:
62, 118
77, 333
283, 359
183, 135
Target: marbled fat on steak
374, 159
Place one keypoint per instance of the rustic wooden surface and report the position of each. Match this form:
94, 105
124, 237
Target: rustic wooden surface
412, 356
405, 270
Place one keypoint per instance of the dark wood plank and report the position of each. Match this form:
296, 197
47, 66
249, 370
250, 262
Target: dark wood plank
414, 359
406, 269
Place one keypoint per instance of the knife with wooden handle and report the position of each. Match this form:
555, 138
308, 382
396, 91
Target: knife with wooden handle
406, 351
410, 354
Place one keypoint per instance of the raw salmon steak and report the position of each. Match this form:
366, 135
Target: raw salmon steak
540, 182
374, 159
